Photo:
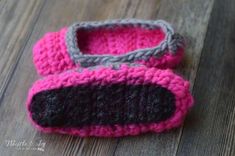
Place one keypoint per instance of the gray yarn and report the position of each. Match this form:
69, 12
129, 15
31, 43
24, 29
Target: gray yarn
171, 42
114, 66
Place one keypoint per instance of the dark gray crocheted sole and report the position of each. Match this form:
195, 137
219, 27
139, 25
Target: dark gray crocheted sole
87, 105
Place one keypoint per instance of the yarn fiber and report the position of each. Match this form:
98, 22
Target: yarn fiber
84, 44
134, 76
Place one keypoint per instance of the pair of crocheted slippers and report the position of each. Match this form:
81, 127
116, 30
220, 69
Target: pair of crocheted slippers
109, 79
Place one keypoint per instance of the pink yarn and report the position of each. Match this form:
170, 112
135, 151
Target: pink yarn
129, 75
118, 41
50, 54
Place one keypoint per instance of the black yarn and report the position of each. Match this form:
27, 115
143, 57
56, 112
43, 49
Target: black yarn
86, 105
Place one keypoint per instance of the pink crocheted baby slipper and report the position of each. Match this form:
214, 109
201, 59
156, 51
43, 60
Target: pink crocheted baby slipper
152, 43
109, 101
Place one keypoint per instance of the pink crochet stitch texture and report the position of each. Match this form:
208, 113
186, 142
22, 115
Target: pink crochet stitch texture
127, 75
50, 54
119, 41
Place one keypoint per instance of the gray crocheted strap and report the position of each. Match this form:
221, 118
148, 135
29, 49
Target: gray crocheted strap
171, 42
113, 66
